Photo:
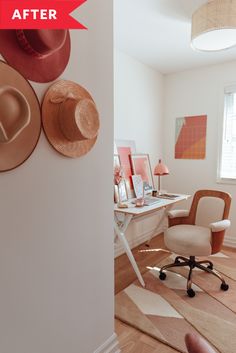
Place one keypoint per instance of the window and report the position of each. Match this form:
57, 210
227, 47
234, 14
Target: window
228, 152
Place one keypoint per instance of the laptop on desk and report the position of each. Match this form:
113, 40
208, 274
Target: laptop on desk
141, 189
149, 200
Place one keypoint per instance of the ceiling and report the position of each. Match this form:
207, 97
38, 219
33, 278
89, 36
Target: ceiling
157, 33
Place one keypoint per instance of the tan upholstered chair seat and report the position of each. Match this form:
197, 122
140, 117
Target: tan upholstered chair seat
189, 240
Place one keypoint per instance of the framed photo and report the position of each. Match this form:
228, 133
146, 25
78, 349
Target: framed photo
116, 163
138, 186
122, 191
124, 143
124, 148
116, 195
141, 166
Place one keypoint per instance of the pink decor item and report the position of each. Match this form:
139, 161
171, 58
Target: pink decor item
160, 169
118, 174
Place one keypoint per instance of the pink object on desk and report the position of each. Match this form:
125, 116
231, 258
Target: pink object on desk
118, 174
139, 202
160, 169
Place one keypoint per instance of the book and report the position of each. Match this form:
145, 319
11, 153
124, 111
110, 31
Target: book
167, 196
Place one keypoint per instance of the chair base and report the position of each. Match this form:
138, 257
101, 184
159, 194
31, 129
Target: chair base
181, 261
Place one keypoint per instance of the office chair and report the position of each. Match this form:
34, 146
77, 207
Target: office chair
185, 238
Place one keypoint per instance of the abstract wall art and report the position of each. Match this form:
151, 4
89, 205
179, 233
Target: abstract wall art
190, 137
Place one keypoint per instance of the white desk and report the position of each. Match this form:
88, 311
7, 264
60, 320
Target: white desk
131, 212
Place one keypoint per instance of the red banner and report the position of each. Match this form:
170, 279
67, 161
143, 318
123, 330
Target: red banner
36, 14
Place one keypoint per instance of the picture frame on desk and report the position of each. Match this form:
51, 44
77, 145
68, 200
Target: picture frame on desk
116, 164
116, 161
116, 195
122, 191
138, 185
124, 148
141, 166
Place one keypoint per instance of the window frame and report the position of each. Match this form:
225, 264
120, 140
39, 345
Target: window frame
227, 89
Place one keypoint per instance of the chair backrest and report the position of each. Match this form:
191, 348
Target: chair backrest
200, 194
225, 198
209, 209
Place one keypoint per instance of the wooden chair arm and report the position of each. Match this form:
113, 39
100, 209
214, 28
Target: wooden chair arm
178, 220
178, 213
176, 217
217, 239
217, 234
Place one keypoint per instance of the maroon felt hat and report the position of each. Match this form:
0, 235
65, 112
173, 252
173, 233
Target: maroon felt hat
40, 55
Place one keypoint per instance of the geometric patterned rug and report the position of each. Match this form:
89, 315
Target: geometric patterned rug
164, 311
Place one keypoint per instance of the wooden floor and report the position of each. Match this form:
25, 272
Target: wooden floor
144, 256
134, 341
130, 339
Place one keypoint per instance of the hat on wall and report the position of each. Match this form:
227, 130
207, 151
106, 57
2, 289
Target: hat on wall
20, 121
70, 118
40, 55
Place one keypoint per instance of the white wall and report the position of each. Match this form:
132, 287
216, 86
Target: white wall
56, 244
138, 103
196, 92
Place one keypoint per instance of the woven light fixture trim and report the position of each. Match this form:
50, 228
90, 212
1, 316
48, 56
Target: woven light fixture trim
214, 26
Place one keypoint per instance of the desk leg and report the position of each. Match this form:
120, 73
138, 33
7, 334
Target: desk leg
120, 231
163, 217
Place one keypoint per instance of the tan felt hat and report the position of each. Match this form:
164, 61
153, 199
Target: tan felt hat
20, 120
40, 55
70, 118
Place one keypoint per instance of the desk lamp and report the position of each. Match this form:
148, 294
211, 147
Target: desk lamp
160, 169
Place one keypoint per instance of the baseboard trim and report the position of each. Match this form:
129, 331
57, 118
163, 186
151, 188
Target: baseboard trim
111, 345
229, 241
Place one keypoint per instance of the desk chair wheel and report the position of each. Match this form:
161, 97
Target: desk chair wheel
224, 286
162, 276
191, 293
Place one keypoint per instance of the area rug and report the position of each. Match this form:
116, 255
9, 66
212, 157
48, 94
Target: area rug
164, 311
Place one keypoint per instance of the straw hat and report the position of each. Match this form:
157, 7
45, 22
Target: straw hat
70, 118
20, 122
40, 55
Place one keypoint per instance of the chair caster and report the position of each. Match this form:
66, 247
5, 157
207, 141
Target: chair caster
210, 267
224, 286
191, 293
162, 276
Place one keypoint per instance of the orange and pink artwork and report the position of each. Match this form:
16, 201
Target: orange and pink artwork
190, 137
141, 166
